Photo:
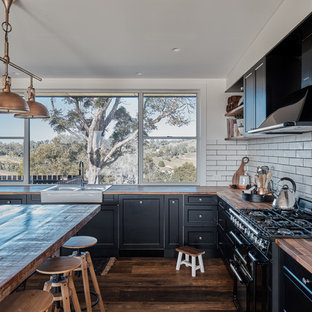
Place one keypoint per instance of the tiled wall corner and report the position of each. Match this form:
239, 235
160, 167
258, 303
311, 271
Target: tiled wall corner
222, 160
289, 156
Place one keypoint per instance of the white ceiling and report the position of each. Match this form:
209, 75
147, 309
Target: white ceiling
118, 38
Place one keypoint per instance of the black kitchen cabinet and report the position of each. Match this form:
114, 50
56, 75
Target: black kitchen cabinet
200, 223
295, 286
141, 222
173, 206
255, 96
224, 226
306, 62
13, 199
104, 227
33, 199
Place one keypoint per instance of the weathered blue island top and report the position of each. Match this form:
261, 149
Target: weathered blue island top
29, 234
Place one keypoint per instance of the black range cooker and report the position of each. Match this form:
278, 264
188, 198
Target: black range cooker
245, 238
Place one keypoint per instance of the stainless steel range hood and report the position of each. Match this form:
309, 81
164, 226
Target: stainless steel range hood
294, 115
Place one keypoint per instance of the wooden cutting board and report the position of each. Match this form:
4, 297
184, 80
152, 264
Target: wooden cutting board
239, 172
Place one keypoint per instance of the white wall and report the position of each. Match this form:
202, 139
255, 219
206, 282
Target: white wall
287, 17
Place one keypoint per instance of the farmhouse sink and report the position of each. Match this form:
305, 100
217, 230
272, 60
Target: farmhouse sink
89, 193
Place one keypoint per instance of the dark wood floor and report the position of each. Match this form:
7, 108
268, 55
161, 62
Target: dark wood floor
153, 284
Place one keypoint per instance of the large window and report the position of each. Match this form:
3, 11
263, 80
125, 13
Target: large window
131, 138
11, 148
169, 138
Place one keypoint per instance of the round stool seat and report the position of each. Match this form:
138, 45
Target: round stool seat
59, 265
27, 301
79, 242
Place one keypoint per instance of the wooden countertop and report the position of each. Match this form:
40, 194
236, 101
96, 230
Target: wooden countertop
299, 249
32, 233
234, 198
22, 189
122, 189
163, 189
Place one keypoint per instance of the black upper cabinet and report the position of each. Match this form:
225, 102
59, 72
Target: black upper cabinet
249, 101
306, 62
141, 222
255, 101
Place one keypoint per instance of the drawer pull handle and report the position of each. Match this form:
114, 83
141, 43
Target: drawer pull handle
200, 216
141, 202
200, 199
8, 202
200, 238
306, 281
173, 202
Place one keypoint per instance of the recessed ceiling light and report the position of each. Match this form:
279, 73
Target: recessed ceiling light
176, 50
139, 74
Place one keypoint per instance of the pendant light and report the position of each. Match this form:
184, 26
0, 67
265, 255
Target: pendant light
11, 102
36, 109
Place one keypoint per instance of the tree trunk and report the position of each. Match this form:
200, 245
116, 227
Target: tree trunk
93, 173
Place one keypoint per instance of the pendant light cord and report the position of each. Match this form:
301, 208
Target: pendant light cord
7, 28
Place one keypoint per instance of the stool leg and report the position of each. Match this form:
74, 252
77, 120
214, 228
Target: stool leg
201, 264
86, 287
65, 295
187, 258
73, 293
193, 266
179, 261
95, 282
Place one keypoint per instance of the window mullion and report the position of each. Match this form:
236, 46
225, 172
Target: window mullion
140, 139
26, 151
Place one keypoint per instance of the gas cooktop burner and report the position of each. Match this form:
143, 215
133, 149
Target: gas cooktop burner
273, 223
283, 231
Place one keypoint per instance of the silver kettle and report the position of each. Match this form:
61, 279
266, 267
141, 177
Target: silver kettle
286, 198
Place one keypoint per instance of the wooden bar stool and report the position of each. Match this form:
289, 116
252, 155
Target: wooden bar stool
82, 242
27, 301
61, 269
193, 252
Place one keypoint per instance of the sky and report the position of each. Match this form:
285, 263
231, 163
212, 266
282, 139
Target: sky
41, 130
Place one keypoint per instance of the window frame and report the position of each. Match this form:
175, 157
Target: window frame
140, 93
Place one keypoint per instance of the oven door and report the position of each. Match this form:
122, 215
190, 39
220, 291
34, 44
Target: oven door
242, 286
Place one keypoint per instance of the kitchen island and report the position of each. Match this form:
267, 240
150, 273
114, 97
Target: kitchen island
29, 234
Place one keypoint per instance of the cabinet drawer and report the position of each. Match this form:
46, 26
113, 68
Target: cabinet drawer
201, 200
201, 236
197, 216
11, 201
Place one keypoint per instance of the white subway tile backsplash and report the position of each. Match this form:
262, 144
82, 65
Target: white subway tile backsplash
289, 156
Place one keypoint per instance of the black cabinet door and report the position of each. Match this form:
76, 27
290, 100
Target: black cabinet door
141, 222
104, 227
174, 220
33, 199
249, 101
260, 94
306, 62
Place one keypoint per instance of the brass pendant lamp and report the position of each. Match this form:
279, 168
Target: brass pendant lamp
36, 109
11, 102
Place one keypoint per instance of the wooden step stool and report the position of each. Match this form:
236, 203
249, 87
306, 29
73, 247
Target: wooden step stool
193, 252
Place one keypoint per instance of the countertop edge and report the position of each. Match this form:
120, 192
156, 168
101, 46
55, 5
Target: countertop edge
302, 254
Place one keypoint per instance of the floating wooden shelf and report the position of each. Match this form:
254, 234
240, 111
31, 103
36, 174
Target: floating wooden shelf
236, 111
